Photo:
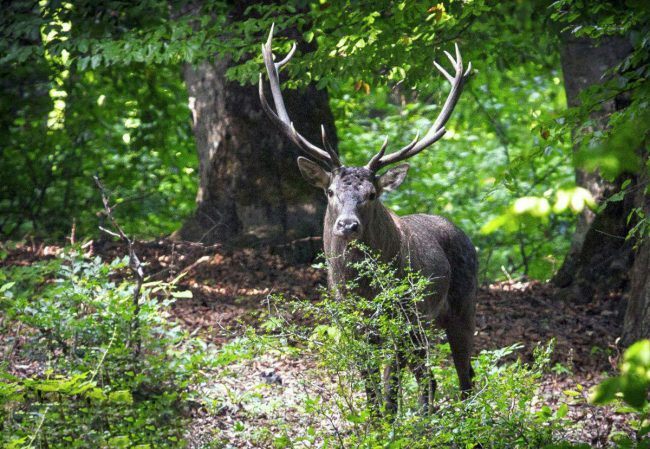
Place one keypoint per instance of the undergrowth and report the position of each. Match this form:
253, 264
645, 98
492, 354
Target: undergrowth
82, 366
77, 372
354, 333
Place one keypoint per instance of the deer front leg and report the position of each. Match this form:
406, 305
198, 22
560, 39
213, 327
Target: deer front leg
372, 381
392, 374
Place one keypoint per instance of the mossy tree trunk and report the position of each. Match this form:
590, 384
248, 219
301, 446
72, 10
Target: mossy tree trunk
250, 189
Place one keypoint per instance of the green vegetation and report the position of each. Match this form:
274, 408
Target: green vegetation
108, 99
101, 89
91, 378
631, 388
357, 334
97, 380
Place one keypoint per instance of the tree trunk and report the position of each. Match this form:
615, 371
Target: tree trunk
599, 253
250, 189
637, 315
602, 256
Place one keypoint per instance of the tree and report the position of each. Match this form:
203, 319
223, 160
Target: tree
249, 186
637, 316
610, 248
599, 251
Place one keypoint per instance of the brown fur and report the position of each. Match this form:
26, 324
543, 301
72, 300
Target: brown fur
429, 244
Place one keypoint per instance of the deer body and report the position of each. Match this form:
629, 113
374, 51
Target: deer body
428, 244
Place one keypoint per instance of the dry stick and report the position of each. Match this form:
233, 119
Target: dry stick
134, 265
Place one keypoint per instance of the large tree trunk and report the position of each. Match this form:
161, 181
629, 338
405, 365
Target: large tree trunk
637, 315
250, 189
601, 255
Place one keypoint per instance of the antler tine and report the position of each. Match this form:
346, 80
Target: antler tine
328, 147
396, 156
442, 70
373, 165
280, 117
468, 71
286, 58
453, 61
437, 130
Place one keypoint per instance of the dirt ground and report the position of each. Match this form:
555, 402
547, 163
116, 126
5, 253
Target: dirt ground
230, 289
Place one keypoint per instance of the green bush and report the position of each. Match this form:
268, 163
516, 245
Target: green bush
101, 372
354, 333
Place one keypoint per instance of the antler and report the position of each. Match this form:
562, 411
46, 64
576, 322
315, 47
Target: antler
281, 118
437, 130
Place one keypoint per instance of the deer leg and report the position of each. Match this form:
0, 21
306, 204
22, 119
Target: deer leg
460, 334
372, 382
392, 374
426, 382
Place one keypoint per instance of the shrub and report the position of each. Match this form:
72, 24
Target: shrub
353, 333
87, 377
631, 387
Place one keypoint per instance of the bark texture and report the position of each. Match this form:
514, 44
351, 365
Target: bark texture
250, 188
637, 316
599, 253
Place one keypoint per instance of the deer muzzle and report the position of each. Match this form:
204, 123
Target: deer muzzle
347, 227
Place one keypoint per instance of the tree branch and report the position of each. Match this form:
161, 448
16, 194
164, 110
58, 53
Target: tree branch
134, 265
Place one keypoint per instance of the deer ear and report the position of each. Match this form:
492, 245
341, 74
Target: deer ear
313, 173
391, 180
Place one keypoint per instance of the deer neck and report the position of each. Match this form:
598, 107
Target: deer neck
382, 234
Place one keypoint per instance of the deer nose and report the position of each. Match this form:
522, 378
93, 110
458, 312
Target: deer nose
347, 226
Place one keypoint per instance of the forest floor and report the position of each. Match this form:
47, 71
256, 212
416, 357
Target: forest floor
230, 291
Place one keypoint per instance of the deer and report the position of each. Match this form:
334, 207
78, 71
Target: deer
428, 244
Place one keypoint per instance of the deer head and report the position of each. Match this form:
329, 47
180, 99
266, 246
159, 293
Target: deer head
353, 192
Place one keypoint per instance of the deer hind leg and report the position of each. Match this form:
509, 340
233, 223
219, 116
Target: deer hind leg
460, 333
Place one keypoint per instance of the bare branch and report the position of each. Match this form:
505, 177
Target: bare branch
134, 264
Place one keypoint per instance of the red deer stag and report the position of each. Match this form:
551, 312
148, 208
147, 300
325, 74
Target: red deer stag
428, 244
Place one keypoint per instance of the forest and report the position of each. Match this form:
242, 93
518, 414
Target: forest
325, 223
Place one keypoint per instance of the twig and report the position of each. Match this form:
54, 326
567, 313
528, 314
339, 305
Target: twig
103, 357
38, 428
134, 265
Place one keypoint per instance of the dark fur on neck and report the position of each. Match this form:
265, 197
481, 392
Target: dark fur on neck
381, 234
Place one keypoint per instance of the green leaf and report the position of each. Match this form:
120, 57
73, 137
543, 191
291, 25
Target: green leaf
635, 391
562, 411
120, 397
606, 391
185, 294
638, 354
7, 286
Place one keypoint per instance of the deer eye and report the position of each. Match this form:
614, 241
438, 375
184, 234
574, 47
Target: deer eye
330, 192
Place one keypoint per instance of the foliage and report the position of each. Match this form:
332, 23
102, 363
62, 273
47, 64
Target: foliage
96, 88
356, 333
61, 124
632, 387
84, 381
617, 149
131, 61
